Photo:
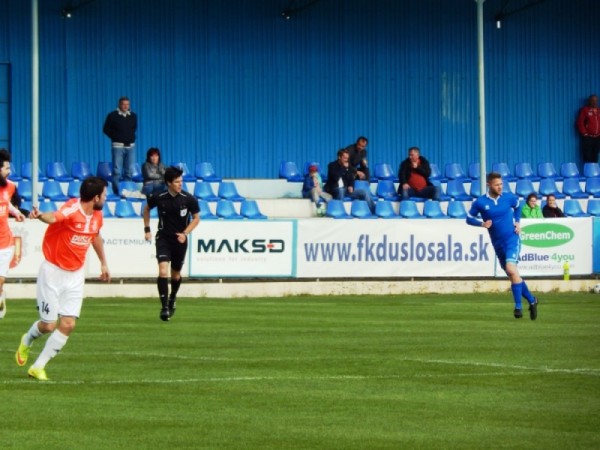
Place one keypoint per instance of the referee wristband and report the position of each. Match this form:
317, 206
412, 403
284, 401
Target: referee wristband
146, 229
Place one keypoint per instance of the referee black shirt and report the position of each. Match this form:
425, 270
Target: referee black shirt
174, 212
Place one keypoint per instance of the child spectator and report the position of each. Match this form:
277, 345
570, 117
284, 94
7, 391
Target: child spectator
313, 189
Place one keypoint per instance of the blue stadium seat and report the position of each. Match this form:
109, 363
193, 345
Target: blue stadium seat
386, 190
548, 186
125, 209
226, 210
385, 210
524, 170
56, 171
336, 209
475, 189
572, 188
360, 209
593, 207
383, 171
205, 212
80, 170
104, 170
205, 171
547, 170
52, 190
25, 188
106, 211
14, 176
136, 173
454, 171
204, 190
228, 191
186, 175
409, 210
73, 188
47, 206
592, 187
506, 186
433, 210
572, 208
524, 187
250, 210
436, 173
456, 190
443, 196
473, 171
130, 191
456, 210
26, 172
591, 170
503, 169
570, 170
289, 171
362, 184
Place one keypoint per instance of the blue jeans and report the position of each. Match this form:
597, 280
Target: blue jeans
432, 192
360, 194
123, 159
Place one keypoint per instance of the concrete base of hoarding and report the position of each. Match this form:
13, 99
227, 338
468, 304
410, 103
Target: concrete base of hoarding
240, 288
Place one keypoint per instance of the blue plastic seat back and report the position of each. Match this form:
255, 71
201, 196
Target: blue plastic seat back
454, 171
436, 173
27, 170
362, 184
548, 186
433, 210
572, 188
572, 208
125, 209
593, 207
503, 169
592, 186
25, 188
205, 212
473, 171
56, 171
52, 190
591, 169
456, 210
226, 210
336, 209
136, 173
250, 210
524, 187
383, 171
127, 187
47, 206
547, 170
360, 209
205, 171
475, 189
386, 189
228, 191
409, 210
104, 170
289, 171
204, 190
80, 170
186, 175
106, 211
385, 210
569, 170
456, 190
524, 170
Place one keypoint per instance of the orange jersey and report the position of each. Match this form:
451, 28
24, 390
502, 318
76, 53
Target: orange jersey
6, 193
66, 241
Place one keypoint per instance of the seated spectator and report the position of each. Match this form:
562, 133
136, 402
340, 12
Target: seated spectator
414, 173
357, 158
340, 181
153, 172
313, 189
551, 209
531, 210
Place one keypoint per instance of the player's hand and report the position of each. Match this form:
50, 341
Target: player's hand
181, 237
487, 224
34, 213
19, 217
104, 274
148, 236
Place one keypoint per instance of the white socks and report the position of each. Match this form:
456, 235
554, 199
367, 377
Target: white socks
33, 333
54, 344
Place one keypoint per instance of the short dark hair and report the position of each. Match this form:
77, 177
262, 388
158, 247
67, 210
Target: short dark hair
532, 195
171, 173
4, 156
362, 138
492, 176
90, 187
152, 151
341, 151
123, 99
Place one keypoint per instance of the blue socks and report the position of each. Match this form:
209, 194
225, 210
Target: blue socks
521, 290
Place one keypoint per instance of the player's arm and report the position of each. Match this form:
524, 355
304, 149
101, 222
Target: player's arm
48, 217
472, 216
182, 237
146, 218
517, 216
98, 245
14, 211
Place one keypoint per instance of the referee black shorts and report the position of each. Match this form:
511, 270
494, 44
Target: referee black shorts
171, 250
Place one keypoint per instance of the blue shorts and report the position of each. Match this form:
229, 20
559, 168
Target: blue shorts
508, 250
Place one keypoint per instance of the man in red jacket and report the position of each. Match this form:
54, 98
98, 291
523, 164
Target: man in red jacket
588, 125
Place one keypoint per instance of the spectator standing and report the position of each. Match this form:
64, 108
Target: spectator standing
531, 210
178, 215
551, 209
500, 214
313, 189
588, 126
340, 181
153, 172
414, 173
120, 126
357, 158
60, 281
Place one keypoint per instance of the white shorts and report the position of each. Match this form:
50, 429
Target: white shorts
6, 256
59, 292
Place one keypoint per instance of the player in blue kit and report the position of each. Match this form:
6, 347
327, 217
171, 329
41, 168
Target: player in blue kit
500, 214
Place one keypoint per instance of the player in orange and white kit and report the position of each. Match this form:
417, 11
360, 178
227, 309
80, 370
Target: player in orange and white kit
8, 251
71, 231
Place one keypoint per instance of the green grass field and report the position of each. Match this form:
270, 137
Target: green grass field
402, 372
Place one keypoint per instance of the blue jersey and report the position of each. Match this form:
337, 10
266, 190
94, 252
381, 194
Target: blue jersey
503, 211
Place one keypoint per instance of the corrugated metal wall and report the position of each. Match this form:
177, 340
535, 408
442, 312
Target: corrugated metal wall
235, 84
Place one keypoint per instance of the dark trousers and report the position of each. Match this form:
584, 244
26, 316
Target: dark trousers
590, 148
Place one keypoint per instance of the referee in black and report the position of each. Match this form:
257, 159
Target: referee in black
178, 215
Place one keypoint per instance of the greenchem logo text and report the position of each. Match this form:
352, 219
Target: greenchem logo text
546, 235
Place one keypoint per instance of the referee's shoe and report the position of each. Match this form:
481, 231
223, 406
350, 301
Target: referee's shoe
164, 314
